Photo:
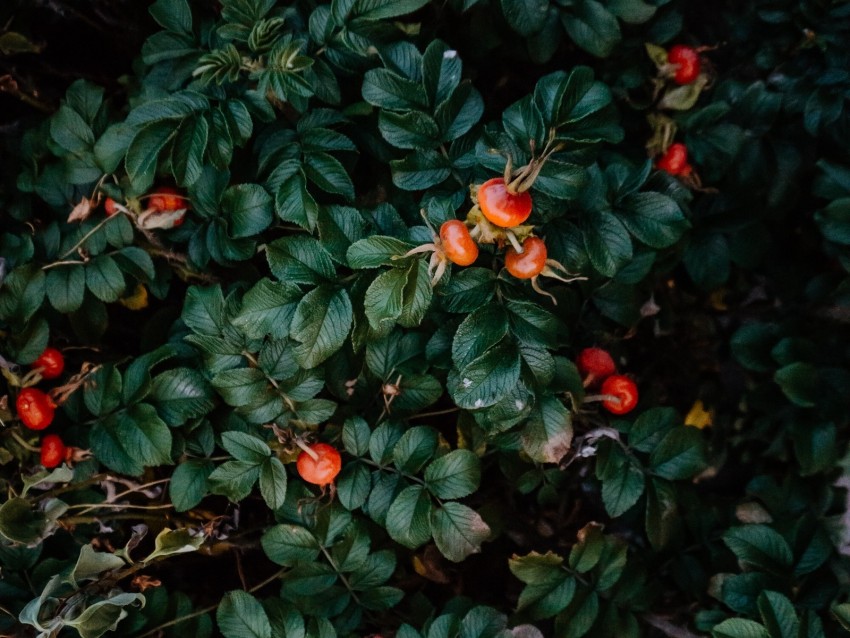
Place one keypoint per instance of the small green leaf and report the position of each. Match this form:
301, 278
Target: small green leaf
240, 615
739, 628
759, 546
454, 475
290, 544
408, 517
458, 531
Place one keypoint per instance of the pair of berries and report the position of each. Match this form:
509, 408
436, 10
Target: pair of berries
35, 407
619, 393
165, 200
505, 209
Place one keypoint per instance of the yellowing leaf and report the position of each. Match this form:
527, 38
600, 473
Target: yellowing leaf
137, 300
698, 416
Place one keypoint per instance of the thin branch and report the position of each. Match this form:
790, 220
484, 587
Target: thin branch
668, 628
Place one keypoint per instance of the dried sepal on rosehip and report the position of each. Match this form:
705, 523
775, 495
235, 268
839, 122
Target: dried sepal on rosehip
166, 209
530, 260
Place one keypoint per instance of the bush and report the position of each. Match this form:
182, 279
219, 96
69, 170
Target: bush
295, 230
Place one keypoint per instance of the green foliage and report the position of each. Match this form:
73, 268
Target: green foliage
295, 289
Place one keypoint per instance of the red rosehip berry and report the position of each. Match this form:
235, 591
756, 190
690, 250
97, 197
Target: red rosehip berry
35, 408
625, 392
53, 451
321, 470
687, 63
51, 362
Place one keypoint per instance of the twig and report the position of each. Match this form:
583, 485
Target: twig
668, 628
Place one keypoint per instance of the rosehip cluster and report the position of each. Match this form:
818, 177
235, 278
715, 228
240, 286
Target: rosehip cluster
36, 408
618, 393
166, 208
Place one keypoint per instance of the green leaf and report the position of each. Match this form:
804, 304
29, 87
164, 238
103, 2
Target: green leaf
408, 517
321, 323
778, 615
622, 490
415, 448
203, 310
467, 290
20, 523
241, 386
680, 454
488, 378
739, 628
526, 17
479, 332
144, 150
328, 173
290, 544
70, 131
104, 615
800, 383
376, 251
355, 436
410, 130
234, 479
169, 542
245, 447
293, 203
353, 485
650, 427
267, 309
382, 87
607, 242
653, 218
133, 439
173, 15
458, 531
188, 484
759, 546
187, 154
382, 9
593, 28
300, 260
454, 475
66, 287
240, 615
420, 171
384, 298
249, 208
104, 278
181, 394
547, 436
662, 513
